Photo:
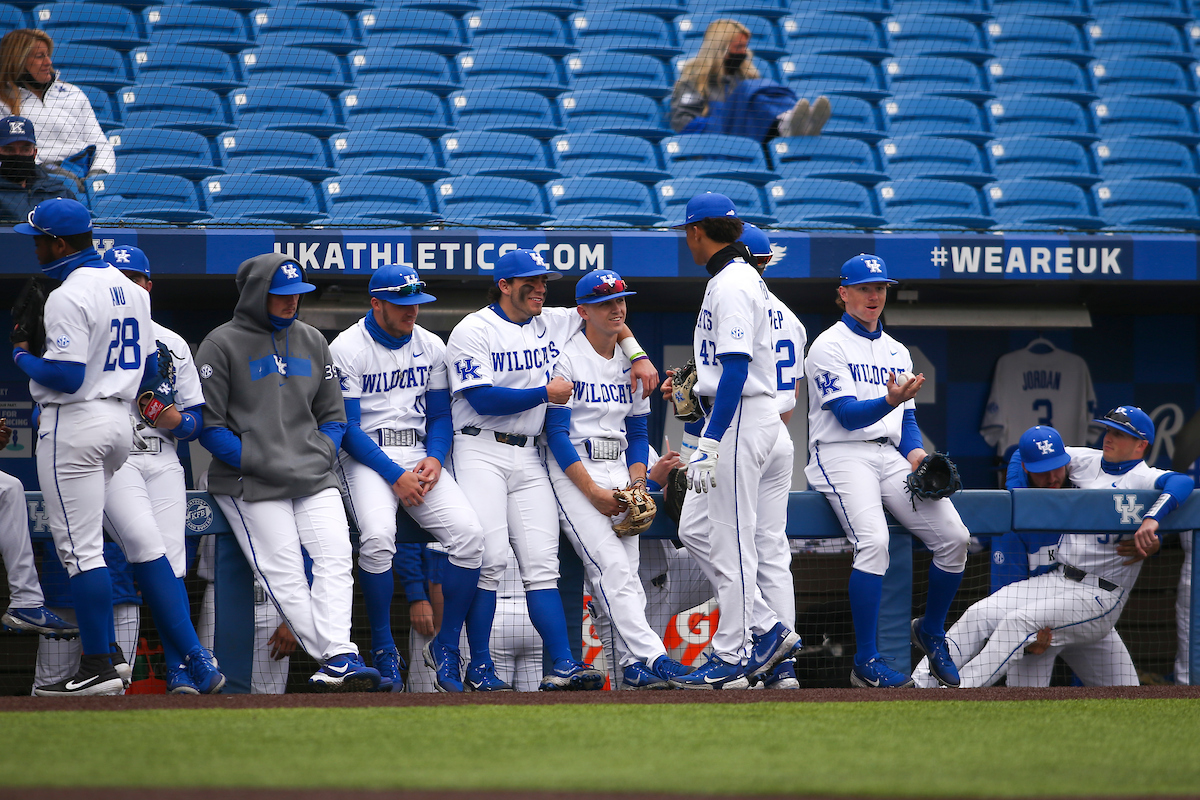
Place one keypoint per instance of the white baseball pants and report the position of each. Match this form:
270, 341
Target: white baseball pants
58, 659
770, 537
1183, 610
144, 508
267, 676
16, 548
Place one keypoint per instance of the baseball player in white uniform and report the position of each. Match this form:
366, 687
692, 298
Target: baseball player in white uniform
145, 501
600, 443
863, 442
734, 351
98, 340
500, 359
1081, 600
398, 435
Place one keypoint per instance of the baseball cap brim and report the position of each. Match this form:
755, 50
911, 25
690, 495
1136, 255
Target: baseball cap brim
550, 274
1045, 465
870, 280
294, 288
1110, 424
404, 300
28, 230
588, 300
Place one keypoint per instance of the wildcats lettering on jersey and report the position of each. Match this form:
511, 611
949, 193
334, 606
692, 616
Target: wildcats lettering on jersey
602, 393
1041, 379
869, 373
521, 360
411, 378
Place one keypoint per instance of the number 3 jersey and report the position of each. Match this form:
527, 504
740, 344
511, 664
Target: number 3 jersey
1029, 388
735, 318
101, 319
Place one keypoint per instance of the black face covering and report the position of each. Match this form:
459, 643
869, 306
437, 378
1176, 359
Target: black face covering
18, 168
733, 61
26, 80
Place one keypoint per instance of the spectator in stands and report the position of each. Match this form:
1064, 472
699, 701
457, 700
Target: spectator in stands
721, 91
72, 143
23, 184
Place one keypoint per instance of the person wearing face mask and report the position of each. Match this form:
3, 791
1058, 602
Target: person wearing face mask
23, 184
72, 143
721, 91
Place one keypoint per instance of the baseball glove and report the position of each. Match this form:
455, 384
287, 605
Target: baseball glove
935, 478
674, 493
157, 392
27, 314
683, 392
641, 510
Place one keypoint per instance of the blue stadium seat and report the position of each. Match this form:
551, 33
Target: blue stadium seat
258, 199
246, 152
395, 155
799, 201
348, 7
175, 108
388, 68
90, 23
934, 158
667, 9
559, 8
712, 155
935, 116
812, 76
924, 204
11, 19
765, 39
102, 108
873, 10
88, 65
1148, 204
854, 119
1143, 77
273, 108
828, 157
454, 7
297, 67
1147, 159
1070, 11
501, 155
834, 35
508, 69
613, 112
483, 200
1127, 38
1023, 37
200, 26
1146, 119
920, 35
232, 5
674, 194
973, 11
1041, 116
943, 77
183, 65
1025, 202
1169, 11
530, 31
413, 28
624, 32
1043, 77
606, 155
505, 111
1046, 159
581, 201
142, 197
164, 153
768, 9
396, 110
377, 200
310, 28
621, 72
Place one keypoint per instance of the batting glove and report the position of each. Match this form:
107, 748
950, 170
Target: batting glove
702, 466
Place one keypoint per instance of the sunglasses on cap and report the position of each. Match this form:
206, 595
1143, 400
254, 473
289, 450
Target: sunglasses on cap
603, 288
1122, 420
42, 230
407, 290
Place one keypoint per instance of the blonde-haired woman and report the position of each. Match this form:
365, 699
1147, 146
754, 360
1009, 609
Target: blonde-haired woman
721, 91
62, 116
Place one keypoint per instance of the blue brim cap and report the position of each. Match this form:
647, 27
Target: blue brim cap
864, 268
705, 206
1129, 419
604, 280
404, 299
289, 279
58, 216
128, 259
522, 264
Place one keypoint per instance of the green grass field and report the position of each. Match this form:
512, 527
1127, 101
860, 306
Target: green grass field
1084, 747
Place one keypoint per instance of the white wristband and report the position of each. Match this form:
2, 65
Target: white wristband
688, 445
632, 350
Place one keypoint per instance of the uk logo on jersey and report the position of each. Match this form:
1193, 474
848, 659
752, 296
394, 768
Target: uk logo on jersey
467, 369
827, 383
873, 264
1047, 447
1129, 508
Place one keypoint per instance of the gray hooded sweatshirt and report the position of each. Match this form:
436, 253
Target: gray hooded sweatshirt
272, 389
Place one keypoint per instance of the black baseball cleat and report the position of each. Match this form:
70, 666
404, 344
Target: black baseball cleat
96, 676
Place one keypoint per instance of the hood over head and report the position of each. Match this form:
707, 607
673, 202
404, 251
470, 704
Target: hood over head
254, 283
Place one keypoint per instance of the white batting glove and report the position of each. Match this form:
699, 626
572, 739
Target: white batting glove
702, 466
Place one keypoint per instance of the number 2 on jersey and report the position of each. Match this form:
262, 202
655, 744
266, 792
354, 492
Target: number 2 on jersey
786, 363
124, 351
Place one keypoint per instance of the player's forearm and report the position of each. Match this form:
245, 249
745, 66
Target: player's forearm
61, 376
407, 566
190, 424
1175, 489
558, 436
335, 430
910, 433
855, 414
363, 448
735, 367
500, 401
223, 444
439, 425
637, 434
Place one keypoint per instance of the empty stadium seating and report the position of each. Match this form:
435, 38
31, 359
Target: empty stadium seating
503, 155
798, 201
826, 157
143, 198
277, 108
262, 199
164, 152
378, 200
475, 199
930, 204
588, 200
935, 159
712, 155
1025, 203
396, 155
606, 155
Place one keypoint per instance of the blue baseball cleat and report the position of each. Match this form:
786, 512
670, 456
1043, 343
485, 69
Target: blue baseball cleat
446, 665
772, 647
714, 674
391, 666
202, 669
483, 678
179, 682
941, 665
39, 620
639, 676
345, 673
876, 674
782, 677
571, 675
666, 668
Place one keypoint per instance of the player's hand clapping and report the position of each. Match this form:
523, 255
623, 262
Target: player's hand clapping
559, 390
1144, 543
898, 393
408, 487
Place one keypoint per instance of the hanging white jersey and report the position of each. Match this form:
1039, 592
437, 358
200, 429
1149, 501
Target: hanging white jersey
790, 338
488, 349
1029, 388
187, 381
390, 385
843, 363
603, 395
101, 319
1097, 553
734, 318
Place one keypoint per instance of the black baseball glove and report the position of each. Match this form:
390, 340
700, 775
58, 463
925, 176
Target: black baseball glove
936, 477
157, 392
27, 314
674, 492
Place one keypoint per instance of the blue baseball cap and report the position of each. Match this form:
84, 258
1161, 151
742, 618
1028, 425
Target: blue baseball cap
1131, 420
16, 129
289, 279
1042, 449
756, 241
128, 258
865, 268
522, 264
399, 285
601, 285
56, 217
707, 205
